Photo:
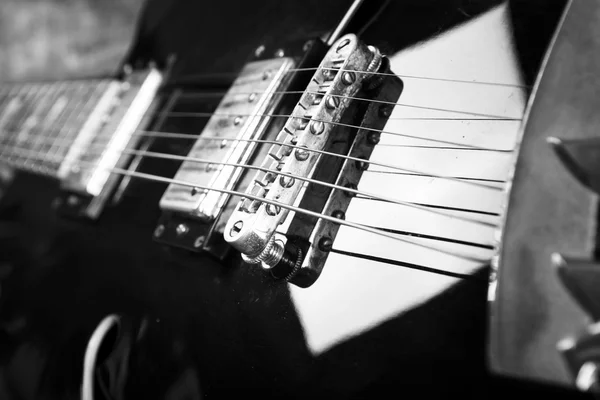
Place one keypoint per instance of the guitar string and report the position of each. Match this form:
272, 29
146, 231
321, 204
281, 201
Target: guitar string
407, 76
304, 179
490, 116
296, 92
359, 226
358, 98
338, 155
209, 114
404, 105
295, 177
354, 126
173, 114
399, 134
174, 135
242, 195
356, 71
386, 165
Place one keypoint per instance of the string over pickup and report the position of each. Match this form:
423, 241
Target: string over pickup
336, 114
229, 140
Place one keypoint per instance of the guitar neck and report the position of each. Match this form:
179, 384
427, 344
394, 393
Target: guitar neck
39, 122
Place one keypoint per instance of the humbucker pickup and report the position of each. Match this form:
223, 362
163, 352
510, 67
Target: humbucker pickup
336, 114
241, 117
124, 107
194, 219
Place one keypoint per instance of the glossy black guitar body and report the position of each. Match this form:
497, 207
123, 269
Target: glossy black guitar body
222, 329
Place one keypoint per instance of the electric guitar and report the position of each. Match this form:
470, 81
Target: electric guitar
309, 211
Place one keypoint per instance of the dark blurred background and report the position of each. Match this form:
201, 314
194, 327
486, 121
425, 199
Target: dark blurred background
53, 39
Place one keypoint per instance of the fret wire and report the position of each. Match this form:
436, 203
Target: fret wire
24, 96
40, 101
36, 101
88, 107
24, 113
97, 95
51, 121
5, 113
63, 121
77, 119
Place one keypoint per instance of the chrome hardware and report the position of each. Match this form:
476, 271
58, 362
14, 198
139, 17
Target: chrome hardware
125, 106
242, 117
319, 122
232, 127
270, 256
182, 229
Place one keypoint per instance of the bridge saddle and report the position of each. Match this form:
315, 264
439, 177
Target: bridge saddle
328, 138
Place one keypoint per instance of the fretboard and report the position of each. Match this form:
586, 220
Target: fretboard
40, 121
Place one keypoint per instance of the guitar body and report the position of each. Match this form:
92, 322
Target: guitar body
216, 328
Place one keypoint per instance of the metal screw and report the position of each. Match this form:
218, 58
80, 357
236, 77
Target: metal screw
160, 229
348, 77
259, 51
287, 181
252, 97
373, 138
301, 154
238, 120
332, 102
279, 53
209, 167
223, 144
272, 209
181, 229
342, 44
199, 241
266, 75
325, 244
317, 127
236, 228
339, 214
194, 191
385, 111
